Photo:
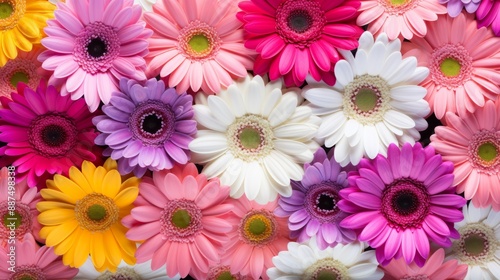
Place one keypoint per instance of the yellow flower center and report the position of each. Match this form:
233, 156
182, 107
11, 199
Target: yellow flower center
366, 99
6, 10
181, 218
450, 67
9, 220
250, 138
487, 151
398, 2
10, 13
258, 228
96, 212
199, 43
19, 77
326, 269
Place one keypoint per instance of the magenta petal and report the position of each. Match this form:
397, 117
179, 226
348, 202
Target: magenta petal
330, 232
421, 242
373, 229
359, 220
393, 244
437, 225
408, 246
312, 227
365, 200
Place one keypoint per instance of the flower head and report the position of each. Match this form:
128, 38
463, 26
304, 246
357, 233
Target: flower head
81, 215
295, 38
455, 7
487, 15
375, 102
92, 44
255, 138
46, 133
180, 217
195, 47
401, 202
146, 127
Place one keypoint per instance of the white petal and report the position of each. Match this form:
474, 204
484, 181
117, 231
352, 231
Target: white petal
404, 71
290, 147
386, 136
343, 72
295, 131
220, 110
407, 93
210, 143
237, 103
351, 127
361, 62
371, 141
275, 169
417, 108
254, 180
398, 119
271, 99
254, 95
366, 41
323, 97
355, 155
341, 150
331, 124
283, 110
294, 171
215, 168
204, 116
232, 173
376, 58
418, 76
391, 65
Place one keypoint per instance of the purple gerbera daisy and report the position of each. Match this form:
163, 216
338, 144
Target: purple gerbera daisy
146, 127
312, 208
401, 202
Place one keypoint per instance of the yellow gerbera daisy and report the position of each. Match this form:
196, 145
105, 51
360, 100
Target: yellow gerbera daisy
81, 215
21, 24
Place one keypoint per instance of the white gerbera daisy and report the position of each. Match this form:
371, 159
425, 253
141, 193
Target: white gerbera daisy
479, 243
133, 272
254, 138
307, 261
376, 101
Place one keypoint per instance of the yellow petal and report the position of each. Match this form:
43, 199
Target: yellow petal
44, 231
111, 183
113, 253
22, 43
88, 170
49, 194
62, 234
8, 45
55, 217
69, 187
128, 246
99, 174
110, 164
126, 197
29, 28
48, 205
39, 7
131, 182
97, 252
82, 248
70, 248
78, 177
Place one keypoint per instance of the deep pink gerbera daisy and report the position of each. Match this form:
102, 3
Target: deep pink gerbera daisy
295, 38
197, 44
180, 217
488, 14
92, 44
46, 133
401, 202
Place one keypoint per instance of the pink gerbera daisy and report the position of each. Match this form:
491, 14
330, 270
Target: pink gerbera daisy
197, 44
295, 38
92, 44
401, 202
463, 65
472, 142
46, 133
179, 216
257, 237
488, 14
399, 17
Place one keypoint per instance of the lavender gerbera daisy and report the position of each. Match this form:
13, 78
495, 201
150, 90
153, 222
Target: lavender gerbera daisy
312, 208
146, 127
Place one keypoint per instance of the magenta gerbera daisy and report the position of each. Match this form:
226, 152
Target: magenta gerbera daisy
46, 133
488, 14
312, 208
180, 216
92, 44
146, 127
295, 38
401, 202
197, 44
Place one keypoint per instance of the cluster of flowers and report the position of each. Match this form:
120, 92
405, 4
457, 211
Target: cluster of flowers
273, 139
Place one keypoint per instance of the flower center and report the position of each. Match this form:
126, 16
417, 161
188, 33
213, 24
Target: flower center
52, 135
21, 220
97, 47
398, 7
6, 10
122, 273
226, 275
152, 122
451, 66
11, 11
96, 212
321, 202
398, 2
199, 41
181, 221
19, 77
258, 228
12, 221
300, 22
405, 203
366, 99
483, 151
487, 151
28, 272
326, 269
250, 137
477, 244
19, 70
221, 272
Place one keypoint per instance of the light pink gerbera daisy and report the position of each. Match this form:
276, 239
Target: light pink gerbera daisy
463, 64
196, 44
257, 237
399, 17
180, 217
295, 38
92, 44
472, 142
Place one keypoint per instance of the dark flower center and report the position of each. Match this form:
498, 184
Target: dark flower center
321, 202
97, 47
152, 123
54, 135
299, 21
326, 202
475, 244
405, 202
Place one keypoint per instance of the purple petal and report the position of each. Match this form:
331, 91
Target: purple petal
119, 137
299, 216
133, 149
330, 232
312, 227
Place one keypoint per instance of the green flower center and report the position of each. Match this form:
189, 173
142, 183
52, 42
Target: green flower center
9, 220
199, 43
474, 244
450, 67
366, 99
250, 138
96, 212
26, 277
326, 275
487, 151
6, 10
257, 227
181, 218
226, 275
398, 2
19, 77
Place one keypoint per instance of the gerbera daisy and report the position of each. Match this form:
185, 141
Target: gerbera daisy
180, 216
375, 102
406, 18
307, 261
46, 133
487, 15
32, 262
455, 7
463, 67
124, 271
478, 245
146, 127
255, 138
198, 44
92, 44
21, 24
401, 202
81, 215
472, 143
312, 208
295, 38
257, 235
222, 272
435, 268
23, 219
